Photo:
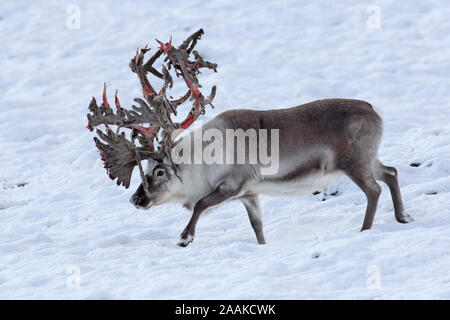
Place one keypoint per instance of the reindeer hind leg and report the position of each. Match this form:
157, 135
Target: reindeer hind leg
364, 179
389, 176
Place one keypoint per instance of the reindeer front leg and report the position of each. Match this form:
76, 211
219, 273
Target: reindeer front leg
251, 203
224, 191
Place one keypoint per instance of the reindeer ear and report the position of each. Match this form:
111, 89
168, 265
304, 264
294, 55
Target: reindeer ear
171, 171
151, 164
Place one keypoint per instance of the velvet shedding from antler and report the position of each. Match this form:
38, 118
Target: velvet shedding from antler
150, 121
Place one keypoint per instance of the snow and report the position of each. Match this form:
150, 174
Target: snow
67, 232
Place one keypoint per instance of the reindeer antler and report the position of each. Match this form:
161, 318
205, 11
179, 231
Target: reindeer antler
121, 155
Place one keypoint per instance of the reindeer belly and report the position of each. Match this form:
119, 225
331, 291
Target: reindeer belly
297, 186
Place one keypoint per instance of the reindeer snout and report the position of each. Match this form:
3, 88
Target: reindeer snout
136, 200
139, 201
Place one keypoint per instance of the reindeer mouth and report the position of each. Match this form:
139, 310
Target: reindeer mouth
146, 207
140, 202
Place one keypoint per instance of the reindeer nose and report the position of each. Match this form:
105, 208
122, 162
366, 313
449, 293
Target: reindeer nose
140, 201
135, 199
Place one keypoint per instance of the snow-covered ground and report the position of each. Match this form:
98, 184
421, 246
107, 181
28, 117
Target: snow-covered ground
61, 218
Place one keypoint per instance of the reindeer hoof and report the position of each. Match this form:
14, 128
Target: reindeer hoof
184, 241
405, 218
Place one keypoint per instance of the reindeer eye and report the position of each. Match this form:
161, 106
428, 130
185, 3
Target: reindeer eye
160, 173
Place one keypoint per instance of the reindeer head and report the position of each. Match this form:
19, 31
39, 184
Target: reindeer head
157, 177
150, 122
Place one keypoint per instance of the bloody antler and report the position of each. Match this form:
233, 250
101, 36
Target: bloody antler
152, 116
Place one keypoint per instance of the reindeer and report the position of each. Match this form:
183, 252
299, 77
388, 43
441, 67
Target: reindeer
318, 142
